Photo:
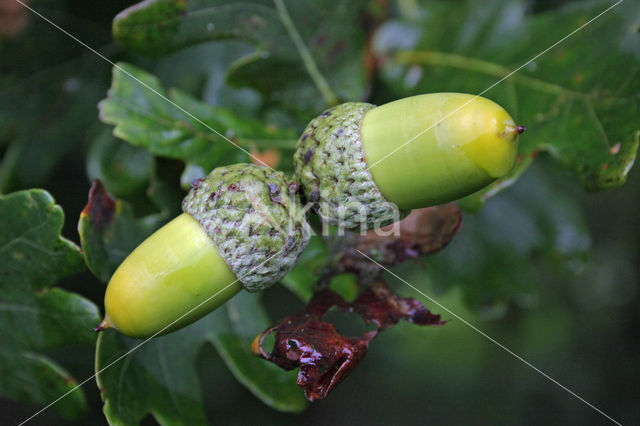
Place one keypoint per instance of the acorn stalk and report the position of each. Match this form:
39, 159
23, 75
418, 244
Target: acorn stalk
243, 227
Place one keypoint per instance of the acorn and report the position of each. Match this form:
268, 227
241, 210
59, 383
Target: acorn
365, 166
242, 227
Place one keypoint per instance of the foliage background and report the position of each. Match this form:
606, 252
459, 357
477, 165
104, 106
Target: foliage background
546, 268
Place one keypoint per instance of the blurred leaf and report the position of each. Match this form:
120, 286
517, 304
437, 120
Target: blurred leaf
346, 285
312, 264
109, 231
123, 168
144, 118
275, 68
502, 254
579, 100
190, 174
164, 194
48, 93
46, 125
201, 70
36, 317
159, 27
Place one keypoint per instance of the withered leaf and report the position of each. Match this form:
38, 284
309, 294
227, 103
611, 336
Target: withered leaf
109, 230
325, 356
13, 18
424, 231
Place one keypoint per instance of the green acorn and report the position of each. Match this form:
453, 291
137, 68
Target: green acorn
366, 166
242, 227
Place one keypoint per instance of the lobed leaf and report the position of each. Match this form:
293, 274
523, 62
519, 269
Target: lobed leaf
157, 378
175, 125
276, 68
579, 100
36, 317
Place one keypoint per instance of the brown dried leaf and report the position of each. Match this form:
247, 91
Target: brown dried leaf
101, 207
423, 232
269, 158
325, 356
13, 18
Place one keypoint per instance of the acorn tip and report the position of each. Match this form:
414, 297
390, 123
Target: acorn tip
104, 324
521, 129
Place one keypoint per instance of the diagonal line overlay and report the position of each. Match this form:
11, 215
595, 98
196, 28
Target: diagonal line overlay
146, 340
261, 162
500, 345
76, 39
496, 83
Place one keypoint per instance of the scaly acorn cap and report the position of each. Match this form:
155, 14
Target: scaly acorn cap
330, 166
361, 164
254, 216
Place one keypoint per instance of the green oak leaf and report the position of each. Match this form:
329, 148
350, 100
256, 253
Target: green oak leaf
158, 27
579, 100
310, 267
145, 115
36, 317
346, 285
295, 45
160, 377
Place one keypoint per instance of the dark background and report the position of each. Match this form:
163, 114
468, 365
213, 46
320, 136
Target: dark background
581, 328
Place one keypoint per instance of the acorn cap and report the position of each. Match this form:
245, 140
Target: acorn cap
254, 217
331, 168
